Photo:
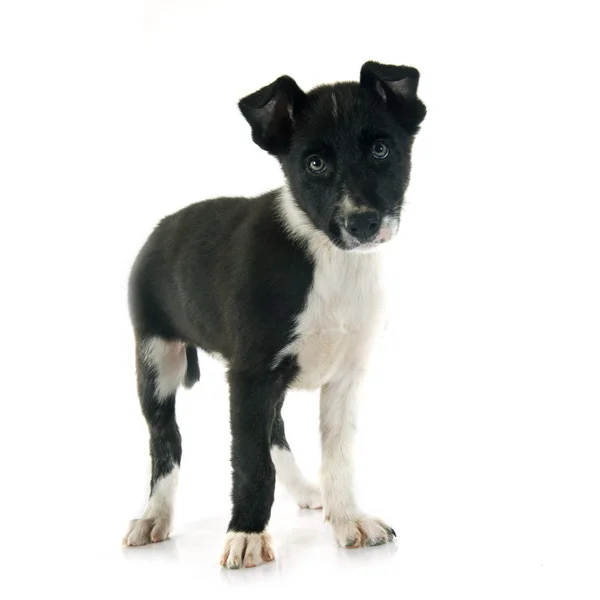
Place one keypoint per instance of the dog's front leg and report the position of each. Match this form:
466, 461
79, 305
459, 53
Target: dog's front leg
338, 423
253, 401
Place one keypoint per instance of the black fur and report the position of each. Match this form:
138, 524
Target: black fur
255, 397
225, 275
165, 439
221, 275
211, 248
278, 433
192, 372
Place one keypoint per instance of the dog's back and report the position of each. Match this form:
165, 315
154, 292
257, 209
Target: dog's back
221, 275
185, 250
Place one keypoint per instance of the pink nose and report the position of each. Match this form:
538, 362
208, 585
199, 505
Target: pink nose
385, 233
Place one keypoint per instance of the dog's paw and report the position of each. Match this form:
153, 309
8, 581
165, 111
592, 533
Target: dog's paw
146, 531
246, 550
364, 531
308, 496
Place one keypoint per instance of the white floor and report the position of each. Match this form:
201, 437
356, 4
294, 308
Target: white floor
441, 551
484, 507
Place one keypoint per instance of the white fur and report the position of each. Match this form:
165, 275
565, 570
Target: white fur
169, 363
389, 228
364, 531
297, 223
155, 523
343, 308
338, 406
306, 494
333, 339
219, 358
246, 549
338, 423
349, 206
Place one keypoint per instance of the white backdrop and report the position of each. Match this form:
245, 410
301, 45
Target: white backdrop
478, 439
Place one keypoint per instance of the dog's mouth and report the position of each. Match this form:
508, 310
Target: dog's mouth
367, 246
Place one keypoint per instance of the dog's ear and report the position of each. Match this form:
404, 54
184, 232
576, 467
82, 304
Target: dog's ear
270, 112
398, 88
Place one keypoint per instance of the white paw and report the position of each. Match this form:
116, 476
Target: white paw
246, 550
146, 531
308, 496
363, 531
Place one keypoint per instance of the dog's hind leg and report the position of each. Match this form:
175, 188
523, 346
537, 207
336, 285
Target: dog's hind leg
305, 493
162, 365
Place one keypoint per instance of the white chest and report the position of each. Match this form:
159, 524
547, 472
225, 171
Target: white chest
342, 314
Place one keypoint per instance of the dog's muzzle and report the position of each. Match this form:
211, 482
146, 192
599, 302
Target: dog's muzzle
363, 226
365, 230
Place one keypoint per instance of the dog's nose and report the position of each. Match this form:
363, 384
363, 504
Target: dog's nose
363, 225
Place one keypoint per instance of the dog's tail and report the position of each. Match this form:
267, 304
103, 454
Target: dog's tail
192, 373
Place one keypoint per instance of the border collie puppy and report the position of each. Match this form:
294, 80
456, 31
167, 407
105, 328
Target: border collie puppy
285, 287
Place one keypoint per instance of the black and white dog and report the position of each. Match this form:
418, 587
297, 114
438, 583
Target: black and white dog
285, 287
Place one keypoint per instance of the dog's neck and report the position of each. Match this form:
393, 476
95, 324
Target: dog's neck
297, 223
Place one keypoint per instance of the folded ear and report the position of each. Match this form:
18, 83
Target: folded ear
398, 88
270, 112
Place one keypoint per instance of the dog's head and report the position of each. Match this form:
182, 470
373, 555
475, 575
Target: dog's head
344, 148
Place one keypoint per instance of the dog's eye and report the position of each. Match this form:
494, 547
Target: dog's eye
380, 150
316, 164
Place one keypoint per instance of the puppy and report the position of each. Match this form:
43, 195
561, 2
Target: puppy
285, 287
